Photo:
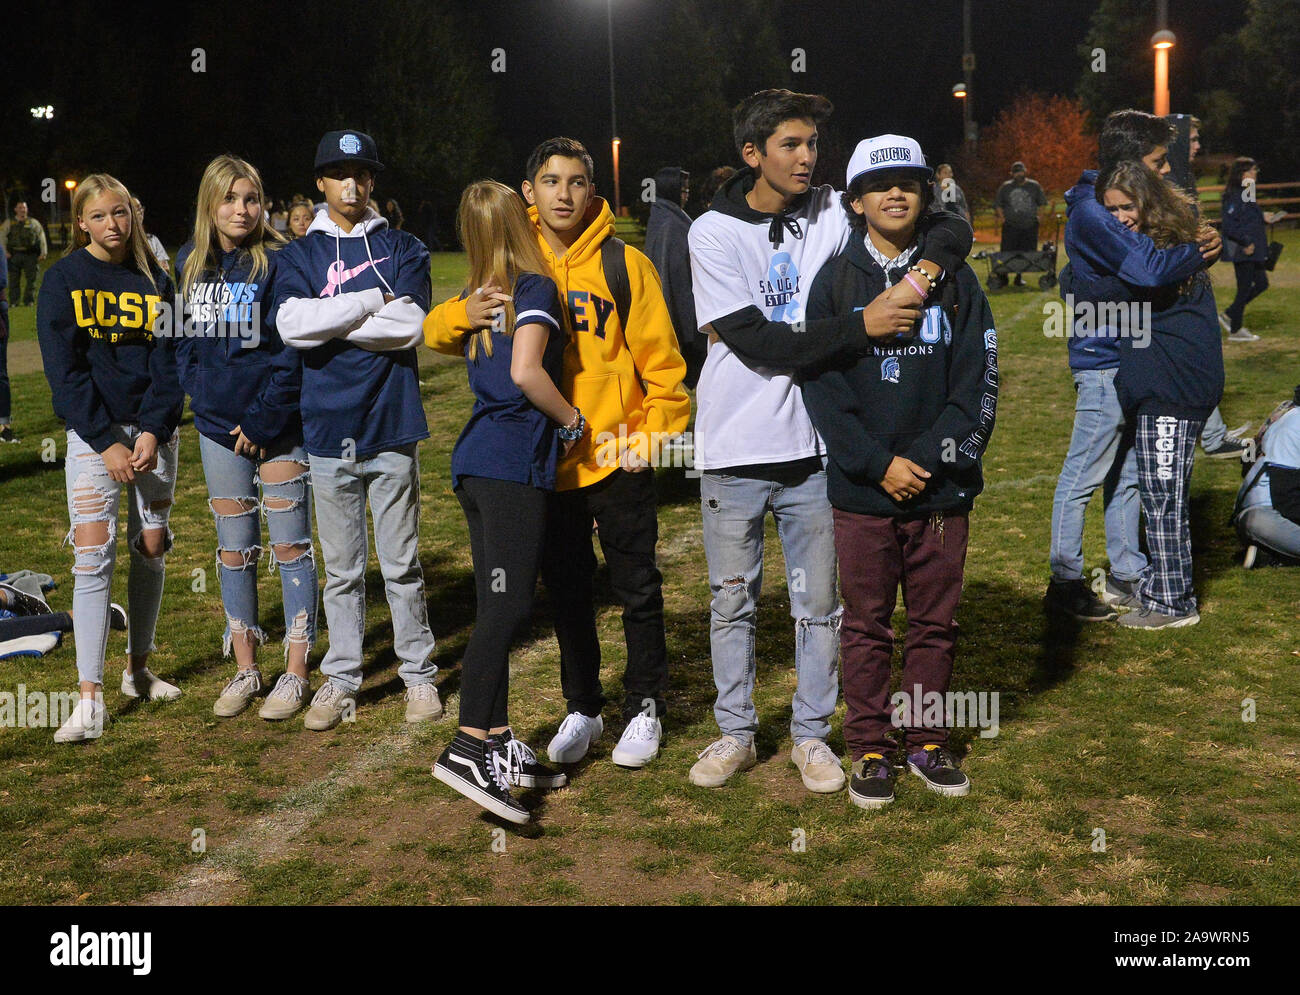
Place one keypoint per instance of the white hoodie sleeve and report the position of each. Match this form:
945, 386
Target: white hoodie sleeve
306, 322
399, 324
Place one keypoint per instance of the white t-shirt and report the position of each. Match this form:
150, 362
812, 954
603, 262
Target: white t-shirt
755, 415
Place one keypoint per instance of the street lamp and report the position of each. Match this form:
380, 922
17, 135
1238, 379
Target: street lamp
959, 91
70, 186
613, 120
1162, 41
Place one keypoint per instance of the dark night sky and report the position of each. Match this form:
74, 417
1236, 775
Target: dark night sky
887, 66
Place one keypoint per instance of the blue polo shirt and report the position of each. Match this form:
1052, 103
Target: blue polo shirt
506, 437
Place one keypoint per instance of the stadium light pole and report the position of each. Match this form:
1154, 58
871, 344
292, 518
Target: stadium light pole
613, 118
970, 131
1162, 41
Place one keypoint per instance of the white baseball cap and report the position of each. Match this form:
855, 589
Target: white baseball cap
887, 153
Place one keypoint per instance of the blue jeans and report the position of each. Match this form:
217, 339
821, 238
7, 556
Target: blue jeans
390, 480
1261, 525
93, 497
1214, 432
237, 478
734, 510
1101, 455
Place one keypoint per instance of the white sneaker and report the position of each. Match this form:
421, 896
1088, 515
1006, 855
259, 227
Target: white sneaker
239, 693
720, 760
86, 722
422, 703
819, 768
1238, 432
286, 698
639, 743
144, 683
1243, 334
575, 737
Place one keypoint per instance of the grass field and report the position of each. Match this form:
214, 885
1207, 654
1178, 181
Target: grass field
1137, 735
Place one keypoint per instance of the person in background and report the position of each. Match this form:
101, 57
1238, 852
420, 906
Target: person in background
1245, 244
712, 184
299, 220
155, 246
279, 214
393, 212
25, 245
1016, 206
6, 429
1267, 513
665, 244
947, 194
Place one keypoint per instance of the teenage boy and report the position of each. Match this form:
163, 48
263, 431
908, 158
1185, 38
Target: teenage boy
1101, 452
351, 296
905, 428
625, 376
754, 255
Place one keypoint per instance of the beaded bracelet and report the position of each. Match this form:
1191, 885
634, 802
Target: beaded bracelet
570, 433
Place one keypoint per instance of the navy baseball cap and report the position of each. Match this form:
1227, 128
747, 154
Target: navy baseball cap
347, 146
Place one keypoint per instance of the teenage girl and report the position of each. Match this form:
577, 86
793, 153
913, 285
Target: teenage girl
244, 386
502, 467
115, 387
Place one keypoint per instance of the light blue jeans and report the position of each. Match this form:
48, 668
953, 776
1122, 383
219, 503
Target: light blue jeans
94, 496
390, 480
1100, 455
1261, 525
238, 478
734, 510
1214, 432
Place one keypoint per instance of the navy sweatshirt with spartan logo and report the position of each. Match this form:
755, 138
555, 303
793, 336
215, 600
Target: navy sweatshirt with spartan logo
95, 320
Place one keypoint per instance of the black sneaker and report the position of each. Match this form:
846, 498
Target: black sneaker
1075, 599
1120, 593
22, 603
518, 763
935, 766
117, 617
7, 434
467, 766
1228, 449
872, 783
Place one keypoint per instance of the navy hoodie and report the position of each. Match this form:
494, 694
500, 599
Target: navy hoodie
234, 379
665, 244
360, 380
1098, 246
1243, 225
95, 322
931, 398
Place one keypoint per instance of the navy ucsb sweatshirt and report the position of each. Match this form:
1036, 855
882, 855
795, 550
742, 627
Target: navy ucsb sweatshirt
360, 383
95, 323
931, 398
236, 370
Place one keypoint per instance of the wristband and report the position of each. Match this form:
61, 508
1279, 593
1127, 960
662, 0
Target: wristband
916, 286
930, 280
570, 433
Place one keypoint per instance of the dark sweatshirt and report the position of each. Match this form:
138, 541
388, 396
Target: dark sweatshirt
232, 378
1243, 225
665, 244
104, 365
930, 398
945, 239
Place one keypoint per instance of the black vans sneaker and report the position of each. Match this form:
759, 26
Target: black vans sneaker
872, 783
518, 763
1075, 599
467, 766
935, 766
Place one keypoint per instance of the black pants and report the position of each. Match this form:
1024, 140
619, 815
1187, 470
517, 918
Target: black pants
507, 523
623, 505
32, 625
1252, 280
1020, 238
23, 264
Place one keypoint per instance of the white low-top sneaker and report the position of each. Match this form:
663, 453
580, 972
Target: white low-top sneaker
144, 683
422, 703
87, 721
639, 743
286, 698
818, 766
242, 689
575, 737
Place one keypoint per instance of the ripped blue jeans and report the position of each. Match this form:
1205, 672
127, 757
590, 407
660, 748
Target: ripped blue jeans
94, 498
287, 505
734, 510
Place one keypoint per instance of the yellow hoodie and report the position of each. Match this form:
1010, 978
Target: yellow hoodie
626, 381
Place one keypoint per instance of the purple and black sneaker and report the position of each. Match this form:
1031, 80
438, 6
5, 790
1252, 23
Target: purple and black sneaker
872, 783
935, 766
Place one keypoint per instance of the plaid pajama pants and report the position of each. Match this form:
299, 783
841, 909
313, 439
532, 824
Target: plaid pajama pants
1165, 446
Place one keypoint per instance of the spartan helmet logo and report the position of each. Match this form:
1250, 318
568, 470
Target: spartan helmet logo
350, 144
889, 369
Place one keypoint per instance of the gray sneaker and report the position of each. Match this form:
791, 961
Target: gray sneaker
239, 693
422, 703
1146, 618
1243, 335
1120, 593
327, 707
286, 698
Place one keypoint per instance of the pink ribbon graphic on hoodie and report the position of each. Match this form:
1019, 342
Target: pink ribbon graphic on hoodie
336, 275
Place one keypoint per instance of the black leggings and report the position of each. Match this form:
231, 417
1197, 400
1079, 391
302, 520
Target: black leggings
507, 523
1252, 280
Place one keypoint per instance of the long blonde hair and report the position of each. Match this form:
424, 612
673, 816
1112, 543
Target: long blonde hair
218, 178
137, 248
501, 243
